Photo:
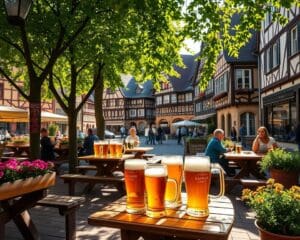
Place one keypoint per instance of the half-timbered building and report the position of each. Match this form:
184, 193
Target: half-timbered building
280, 75
130, 105
175, 100
235, 88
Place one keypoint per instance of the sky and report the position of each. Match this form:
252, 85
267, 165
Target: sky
194, 47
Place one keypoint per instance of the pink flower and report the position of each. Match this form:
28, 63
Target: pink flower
2, 166
12, 164
26, 164
40, 164
1, 174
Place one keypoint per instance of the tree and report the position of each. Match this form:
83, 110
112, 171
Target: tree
209, 22
29, 51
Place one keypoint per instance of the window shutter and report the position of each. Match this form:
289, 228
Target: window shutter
278, 51
298, 39
271, 58
288, 43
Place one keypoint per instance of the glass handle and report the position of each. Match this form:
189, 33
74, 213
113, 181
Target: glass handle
176, 188
220, 171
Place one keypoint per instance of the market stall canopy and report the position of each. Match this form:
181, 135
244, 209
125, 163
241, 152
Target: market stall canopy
12, 114
185, 123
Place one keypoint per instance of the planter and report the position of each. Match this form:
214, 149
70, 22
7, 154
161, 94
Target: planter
286, 178
23, 186
265, 235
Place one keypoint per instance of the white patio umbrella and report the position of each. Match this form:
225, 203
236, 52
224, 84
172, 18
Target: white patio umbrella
185, 123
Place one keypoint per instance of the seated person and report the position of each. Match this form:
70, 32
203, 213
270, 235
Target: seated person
132, 138
215, 151
88, 145
263, 142
47, 148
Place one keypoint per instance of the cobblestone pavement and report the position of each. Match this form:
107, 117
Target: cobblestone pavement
51, 225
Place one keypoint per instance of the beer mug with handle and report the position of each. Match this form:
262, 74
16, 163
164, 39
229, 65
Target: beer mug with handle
174, 165
155, 181
135, 185
197, 173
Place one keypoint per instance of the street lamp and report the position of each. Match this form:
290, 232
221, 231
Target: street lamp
17, 10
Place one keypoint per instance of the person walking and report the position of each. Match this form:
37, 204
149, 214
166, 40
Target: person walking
179, 135
160, 134
152, 133
123, 132
233, 134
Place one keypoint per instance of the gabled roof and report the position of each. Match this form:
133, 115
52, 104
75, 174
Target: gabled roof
132, 89
246, 53
184, 82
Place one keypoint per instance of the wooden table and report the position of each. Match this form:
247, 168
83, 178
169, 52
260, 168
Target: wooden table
247, 160
17, 211
176, 223
138, 151
18, 149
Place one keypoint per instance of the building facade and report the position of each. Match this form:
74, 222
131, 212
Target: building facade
280, 75
175, 100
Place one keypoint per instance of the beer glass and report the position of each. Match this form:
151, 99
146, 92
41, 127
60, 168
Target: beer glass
97, 148
238, 148
135, 185
155, 181
116, 148
197, 173
103, 149
175, 170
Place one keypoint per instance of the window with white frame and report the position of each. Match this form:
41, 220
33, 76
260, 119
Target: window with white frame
181, 98
276, 54
166, 99
141, 112
210, 87
248, 119
221, 84
132, 113
188, 97
294, 40
199, 107
243, 78
174, 98
197, 91
158, 100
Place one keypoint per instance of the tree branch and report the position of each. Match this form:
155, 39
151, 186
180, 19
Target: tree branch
12, 82
55, 93
16, 46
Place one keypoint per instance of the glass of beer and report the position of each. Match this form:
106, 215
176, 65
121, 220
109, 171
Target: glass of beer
97, 148
197, 173
135, 185
116, 148
238, 148
175, 170
104, 149
155, 181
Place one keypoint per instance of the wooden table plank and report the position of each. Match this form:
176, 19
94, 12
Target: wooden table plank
108, 158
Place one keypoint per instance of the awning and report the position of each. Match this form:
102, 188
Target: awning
114, 123
205, 116
12, 114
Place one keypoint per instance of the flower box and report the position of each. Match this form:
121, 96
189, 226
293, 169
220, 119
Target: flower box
23, 186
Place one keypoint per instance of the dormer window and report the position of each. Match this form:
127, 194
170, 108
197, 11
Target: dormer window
243, 78
139, 89
165, 86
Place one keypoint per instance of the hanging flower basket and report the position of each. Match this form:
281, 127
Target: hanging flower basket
18, 178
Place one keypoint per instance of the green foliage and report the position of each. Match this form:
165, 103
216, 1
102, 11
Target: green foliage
277, 210
52, 128
210, 23
281, 159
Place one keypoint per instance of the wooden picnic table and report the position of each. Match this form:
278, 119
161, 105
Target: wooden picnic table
247, 160
18, 149
175, 225
17, 211
138, 151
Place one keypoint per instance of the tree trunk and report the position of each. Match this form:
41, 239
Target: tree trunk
100, 122
35, 119
73, 161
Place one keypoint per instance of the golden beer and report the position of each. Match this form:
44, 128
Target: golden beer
155, 181
97, 148
103, 149
119, 149
173, 188
197, 173
135, 185
238, 148
112, 149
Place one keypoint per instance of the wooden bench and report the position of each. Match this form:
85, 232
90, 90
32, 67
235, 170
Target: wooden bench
58, 163
71, 179
67, 207
82, 169
252, 183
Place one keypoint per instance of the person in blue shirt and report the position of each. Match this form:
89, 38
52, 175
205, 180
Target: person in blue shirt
88, 145
215, 151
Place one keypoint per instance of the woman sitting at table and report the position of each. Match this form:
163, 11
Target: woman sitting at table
263, 142
133, 139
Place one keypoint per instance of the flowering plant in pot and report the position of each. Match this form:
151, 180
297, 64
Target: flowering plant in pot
17, 178
277, 210
284, 166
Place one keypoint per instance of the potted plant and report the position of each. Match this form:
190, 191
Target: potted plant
18, 178
277, 210
52, 128
284, 166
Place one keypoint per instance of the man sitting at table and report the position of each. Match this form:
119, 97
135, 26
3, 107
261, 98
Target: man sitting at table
88, 145
215, 151
133, 139
47, 148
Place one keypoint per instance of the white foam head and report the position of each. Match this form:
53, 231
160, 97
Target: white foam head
156, 171
172, 160
135, 164
197, 164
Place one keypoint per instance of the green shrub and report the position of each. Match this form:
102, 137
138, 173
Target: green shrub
52, 128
